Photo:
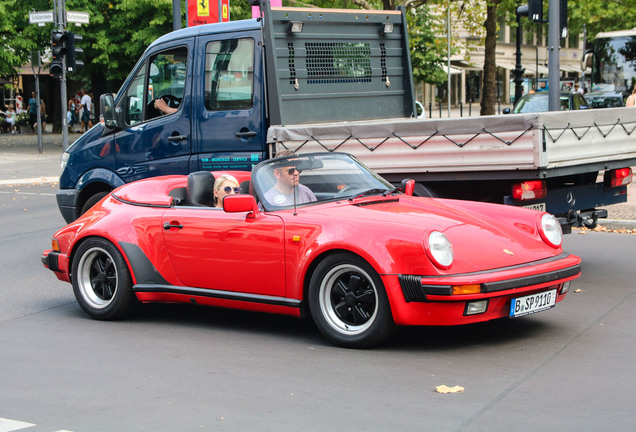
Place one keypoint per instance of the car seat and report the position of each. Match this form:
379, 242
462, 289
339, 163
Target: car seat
200, 188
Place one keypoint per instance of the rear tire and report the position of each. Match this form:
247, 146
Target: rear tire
101, 281
348, 302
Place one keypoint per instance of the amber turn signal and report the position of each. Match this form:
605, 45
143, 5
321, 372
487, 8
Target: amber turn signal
466, 289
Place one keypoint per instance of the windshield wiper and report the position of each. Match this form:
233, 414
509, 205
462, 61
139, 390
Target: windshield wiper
373, 191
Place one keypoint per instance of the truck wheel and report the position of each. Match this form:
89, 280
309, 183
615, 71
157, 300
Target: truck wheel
423, 191
101, 280
92, 200
348, 302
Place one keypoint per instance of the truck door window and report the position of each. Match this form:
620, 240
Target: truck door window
135, 99
164, 78
229, 71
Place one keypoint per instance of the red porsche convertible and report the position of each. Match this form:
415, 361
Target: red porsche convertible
314, 235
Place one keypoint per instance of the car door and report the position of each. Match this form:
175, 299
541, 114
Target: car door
228, 106
153, 143
209, 248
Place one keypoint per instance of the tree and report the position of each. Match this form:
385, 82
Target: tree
18, 38
490, 67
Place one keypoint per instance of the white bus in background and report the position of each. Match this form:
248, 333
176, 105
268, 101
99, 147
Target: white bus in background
613, 61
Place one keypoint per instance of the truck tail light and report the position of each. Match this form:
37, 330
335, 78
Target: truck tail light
529, 190
620, 177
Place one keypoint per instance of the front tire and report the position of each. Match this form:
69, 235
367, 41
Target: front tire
348, 302
101, 281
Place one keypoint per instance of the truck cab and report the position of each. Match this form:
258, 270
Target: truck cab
211, 78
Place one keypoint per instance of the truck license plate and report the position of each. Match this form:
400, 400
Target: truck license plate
537, 206
533, 303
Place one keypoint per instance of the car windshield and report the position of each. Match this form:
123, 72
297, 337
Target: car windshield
538, 102
307, 179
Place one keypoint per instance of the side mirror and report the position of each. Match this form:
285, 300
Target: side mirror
408, 186
241, 203
506, 111
109, 111
586, 62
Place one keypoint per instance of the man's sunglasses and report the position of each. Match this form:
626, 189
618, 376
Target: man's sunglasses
291, 171
229, 189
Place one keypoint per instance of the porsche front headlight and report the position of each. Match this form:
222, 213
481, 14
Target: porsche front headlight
439, 250
550, 230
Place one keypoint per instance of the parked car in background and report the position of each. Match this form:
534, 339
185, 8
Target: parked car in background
605, 100
538, 102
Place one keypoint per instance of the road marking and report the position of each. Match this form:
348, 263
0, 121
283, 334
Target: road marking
26, 193
30, 180
8, 425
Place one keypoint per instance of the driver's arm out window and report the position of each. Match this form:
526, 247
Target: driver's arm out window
229, 74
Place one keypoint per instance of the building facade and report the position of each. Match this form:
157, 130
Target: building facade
467, 65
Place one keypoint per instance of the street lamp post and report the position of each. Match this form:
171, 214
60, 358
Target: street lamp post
519, 70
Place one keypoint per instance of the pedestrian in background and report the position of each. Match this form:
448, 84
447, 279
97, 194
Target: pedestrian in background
86, 104
33, 112
631, 99
72, 111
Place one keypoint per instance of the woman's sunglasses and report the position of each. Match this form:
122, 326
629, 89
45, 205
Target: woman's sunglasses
229, 189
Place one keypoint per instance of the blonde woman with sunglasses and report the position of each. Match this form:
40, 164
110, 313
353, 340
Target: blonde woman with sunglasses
225, 185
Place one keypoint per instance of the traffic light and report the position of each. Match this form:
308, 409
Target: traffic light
72, 62
58, 50
563, 19
535, 10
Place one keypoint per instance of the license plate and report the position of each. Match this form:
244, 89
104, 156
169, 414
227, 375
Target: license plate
537, 206
533, 303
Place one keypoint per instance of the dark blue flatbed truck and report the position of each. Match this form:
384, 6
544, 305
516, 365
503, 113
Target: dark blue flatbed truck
334, 80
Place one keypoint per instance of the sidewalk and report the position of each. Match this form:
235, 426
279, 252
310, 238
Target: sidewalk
21, 163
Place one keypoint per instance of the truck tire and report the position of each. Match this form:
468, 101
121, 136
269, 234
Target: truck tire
423, 191
92, 200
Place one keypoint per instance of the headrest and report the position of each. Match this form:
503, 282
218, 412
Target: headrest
201, 188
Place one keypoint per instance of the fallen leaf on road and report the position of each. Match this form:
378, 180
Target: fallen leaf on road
578, 290
446, 389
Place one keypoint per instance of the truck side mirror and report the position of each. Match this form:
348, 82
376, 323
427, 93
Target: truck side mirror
109, 111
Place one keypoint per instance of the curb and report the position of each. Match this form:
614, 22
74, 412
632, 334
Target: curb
614, 224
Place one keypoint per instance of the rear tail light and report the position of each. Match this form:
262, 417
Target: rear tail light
620, 177
529, 190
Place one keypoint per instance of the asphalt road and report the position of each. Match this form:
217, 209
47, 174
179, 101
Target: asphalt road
185, 368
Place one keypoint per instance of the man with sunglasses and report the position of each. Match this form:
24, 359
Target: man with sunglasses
288, 189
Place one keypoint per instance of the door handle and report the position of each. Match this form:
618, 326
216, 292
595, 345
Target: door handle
169, 225
247, 134
177, 138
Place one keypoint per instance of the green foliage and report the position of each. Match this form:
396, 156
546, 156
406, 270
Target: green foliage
428, 52
120, 30
600, 16
18, 38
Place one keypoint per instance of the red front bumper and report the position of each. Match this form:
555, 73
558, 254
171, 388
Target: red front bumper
421, 300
